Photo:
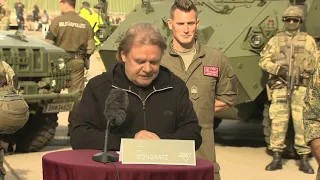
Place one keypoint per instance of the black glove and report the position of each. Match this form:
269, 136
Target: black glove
3, 80
87, 61
283, 73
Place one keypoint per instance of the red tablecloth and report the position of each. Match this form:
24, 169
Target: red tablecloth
78, 165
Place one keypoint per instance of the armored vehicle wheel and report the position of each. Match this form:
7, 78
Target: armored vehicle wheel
37, 133
289, 152
216, 122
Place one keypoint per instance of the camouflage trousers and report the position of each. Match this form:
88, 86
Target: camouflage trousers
279, 115
77, 83
2, 169
312, 129
311, 115
4, 26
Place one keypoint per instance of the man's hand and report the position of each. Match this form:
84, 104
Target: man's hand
220, 106
143, 134
283, 73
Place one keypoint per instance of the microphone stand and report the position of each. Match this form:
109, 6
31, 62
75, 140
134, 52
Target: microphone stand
104, 156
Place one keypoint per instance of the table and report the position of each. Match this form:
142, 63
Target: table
78, 165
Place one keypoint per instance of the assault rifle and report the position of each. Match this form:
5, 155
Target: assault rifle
293, 76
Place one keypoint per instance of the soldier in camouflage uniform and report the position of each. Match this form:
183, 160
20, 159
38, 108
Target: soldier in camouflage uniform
312, 114
6, 76
4, 16
7, 84
299, 48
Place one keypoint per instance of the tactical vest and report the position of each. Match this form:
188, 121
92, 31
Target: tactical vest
303, 61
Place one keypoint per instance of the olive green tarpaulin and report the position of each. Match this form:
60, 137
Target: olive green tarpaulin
114, 6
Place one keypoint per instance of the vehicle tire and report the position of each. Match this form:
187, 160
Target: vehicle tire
289, 152
37, 133
216, 122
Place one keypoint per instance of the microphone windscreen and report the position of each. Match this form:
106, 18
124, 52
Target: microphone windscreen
115, 106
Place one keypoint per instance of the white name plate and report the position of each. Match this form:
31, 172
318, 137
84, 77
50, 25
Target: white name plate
163, 151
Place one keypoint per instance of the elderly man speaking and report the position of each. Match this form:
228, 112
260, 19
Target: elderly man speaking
159, 105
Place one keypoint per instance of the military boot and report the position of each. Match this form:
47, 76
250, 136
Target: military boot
276, 162
304, 165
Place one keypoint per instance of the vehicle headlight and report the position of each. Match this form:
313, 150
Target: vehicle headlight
257, 41
61, 63
53, 83
102, 34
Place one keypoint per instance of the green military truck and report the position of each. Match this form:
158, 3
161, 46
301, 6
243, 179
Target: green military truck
42, 72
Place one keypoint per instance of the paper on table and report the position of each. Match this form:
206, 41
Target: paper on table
120, 152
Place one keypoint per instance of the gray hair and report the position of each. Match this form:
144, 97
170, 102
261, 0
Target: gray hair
142, 33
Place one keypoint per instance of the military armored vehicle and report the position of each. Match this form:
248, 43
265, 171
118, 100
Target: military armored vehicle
42, 72
240, 29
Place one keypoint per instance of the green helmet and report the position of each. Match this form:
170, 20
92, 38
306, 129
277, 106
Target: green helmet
293, 11
14, 112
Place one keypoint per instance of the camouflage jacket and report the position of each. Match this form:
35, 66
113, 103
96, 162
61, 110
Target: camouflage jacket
7, 74
312, 106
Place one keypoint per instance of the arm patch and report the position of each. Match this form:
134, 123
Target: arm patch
265, 49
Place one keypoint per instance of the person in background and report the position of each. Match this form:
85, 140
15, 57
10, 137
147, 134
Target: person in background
44, 23
8, 85
73, 34
92, 17
206, 71
4, 16
311, 113
36, 17
19, 7
287, 99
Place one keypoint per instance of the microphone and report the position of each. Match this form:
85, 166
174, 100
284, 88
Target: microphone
115, 113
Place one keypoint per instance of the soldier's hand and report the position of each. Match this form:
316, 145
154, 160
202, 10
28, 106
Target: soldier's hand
283, 73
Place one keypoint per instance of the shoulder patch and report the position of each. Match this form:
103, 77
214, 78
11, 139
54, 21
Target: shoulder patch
211, 71
265, 49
